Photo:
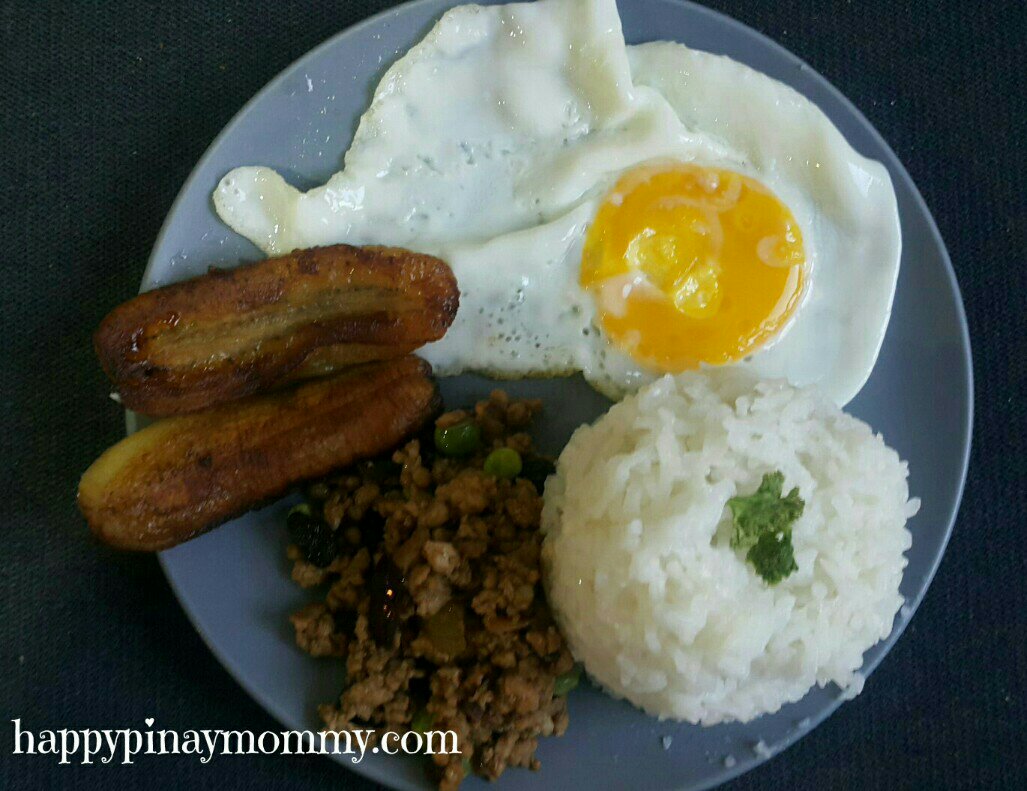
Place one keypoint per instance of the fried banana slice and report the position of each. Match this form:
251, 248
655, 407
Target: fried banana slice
232, 333
179, 477
328, 360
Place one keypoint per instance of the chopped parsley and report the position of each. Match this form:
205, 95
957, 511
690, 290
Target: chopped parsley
763, 527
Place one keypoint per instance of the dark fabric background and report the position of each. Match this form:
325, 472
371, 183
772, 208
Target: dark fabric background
104, 109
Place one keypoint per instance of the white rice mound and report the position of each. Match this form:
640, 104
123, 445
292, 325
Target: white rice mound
645, 585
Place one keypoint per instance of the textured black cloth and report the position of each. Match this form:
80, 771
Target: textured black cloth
104, 109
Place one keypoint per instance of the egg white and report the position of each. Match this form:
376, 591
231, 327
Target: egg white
491, 143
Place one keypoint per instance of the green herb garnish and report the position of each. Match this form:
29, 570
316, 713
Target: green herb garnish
763, 527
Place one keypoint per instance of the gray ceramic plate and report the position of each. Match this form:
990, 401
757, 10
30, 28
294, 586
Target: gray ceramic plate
234, 583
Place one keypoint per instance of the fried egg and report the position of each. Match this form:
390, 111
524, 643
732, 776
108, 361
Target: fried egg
618, 211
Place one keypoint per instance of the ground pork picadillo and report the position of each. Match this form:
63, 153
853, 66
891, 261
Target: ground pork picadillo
434, 598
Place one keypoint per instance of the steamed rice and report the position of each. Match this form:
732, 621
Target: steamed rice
645, 585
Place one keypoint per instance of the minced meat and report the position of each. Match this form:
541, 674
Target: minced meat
435, 600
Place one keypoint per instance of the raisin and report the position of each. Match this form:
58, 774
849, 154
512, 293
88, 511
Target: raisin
315, 539
536, 469
388, 600
426, 440
345, 621
372, 529
419, 686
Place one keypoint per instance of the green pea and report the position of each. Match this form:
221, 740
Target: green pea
565, 682
459, 440
422, 721
302, 508
503, 463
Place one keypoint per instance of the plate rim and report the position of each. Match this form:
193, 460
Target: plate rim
896, 170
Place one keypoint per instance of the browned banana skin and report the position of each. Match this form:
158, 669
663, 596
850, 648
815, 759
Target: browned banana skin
179, 477
232, 333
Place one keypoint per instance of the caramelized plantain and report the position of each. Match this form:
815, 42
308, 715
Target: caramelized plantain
328, 360
232, 333
179, 477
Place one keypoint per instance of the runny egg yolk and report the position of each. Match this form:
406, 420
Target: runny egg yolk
692, 265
